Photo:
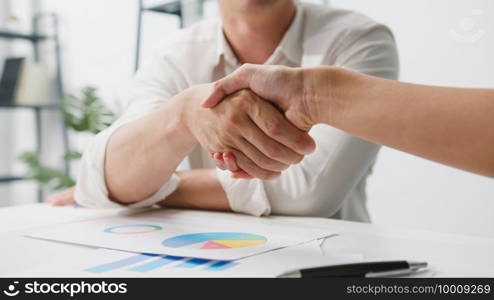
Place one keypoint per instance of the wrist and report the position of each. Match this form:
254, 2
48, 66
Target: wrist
173, 122
190, 106
325, 90
316, 93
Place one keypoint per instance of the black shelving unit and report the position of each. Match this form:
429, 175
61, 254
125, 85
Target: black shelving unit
172, 8
41, 107
167, 7
21, 36
10, 178
35, 38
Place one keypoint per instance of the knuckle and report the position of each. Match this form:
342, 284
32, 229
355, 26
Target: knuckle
240, 101
224, 138
303, 139
272, 164
275, 166
244, 70
245, 98
217, 84
233, 120
279, 167
274, 152
246, 67
274, 129
243, 94
284, 167
297, 159
256, 171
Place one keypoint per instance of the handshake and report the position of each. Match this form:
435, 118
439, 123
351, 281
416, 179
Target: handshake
254, 122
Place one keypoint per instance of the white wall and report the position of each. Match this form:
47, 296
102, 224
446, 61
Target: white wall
19, 133
441, 42
5, 117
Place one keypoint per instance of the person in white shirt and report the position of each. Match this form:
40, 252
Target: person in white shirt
134, 162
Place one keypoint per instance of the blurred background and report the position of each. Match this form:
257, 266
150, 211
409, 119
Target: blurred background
89, 50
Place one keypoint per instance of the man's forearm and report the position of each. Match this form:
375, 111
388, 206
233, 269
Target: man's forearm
143, 154
449, 125
198, 189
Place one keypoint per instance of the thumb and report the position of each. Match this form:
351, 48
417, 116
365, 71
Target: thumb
236, 81
217, 94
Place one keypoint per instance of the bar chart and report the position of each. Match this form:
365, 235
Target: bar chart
146, 262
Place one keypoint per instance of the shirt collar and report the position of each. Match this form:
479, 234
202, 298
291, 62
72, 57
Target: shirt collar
223, 49
291, 44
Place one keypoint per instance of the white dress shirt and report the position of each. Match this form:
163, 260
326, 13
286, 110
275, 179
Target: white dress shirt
328, 183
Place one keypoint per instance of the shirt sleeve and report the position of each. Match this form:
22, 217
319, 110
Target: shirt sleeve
319, 185
154, 83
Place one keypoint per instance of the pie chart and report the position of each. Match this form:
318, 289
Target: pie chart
133, 229
215, 240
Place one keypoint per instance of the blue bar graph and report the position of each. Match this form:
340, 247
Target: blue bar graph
121, 263
194, 262
146, 262
155, 264
221, 266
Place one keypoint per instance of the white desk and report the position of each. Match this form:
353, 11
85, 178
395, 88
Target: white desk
449, 255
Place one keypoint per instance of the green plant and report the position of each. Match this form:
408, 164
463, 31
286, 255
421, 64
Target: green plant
47, 177
83, 113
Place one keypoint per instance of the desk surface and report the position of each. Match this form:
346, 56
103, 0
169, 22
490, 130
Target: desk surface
448, 255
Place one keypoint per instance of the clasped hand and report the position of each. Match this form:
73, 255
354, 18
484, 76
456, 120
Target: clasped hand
261, 142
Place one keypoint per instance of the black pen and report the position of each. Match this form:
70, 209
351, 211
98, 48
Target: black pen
365, 269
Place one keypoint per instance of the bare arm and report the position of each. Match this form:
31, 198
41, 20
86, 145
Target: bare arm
143, 154
198, 189
453, 126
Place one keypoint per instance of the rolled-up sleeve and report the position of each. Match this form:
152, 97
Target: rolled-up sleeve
320, 184
91, 189
157, 81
